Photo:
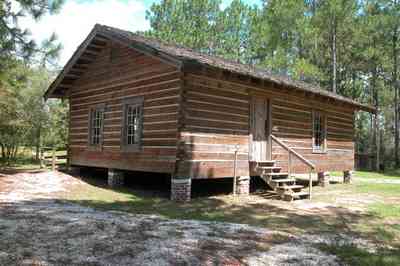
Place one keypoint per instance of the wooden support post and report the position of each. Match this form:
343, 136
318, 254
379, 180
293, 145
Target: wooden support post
234, 171
310, 185
41, 159
53, 160
290, 165
68, 161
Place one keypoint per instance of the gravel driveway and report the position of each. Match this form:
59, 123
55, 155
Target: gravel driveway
38, 229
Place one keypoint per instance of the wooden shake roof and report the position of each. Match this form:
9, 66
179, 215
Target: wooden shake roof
175, 55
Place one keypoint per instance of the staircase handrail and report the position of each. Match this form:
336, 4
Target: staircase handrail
291, 150
299, 156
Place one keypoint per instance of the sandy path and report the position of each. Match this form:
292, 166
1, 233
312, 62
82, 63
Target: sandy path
31, 185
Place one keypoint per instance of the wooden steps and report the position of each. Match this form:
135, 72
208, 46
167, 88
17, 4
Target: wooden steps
276, 174
280, 182
272, 168
265, 163
293, 187
285, 180
300, 193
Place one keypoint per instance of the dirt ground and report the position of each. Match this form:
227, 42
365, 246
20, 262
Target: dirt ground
36, 228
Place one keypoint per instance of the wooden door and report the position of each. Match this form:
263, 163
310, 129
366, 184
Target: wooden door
261, 129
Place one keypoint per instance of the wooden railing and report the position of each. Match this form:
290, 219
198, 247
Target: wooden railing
51, 157
291, 152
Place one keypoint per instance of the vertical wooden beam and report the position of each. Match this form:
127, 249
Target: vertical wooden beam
180, 147
234, 171
310, 185
53, 159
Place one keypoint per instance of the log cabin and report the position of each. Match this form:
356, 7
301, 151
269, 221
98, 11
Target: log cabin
137, 104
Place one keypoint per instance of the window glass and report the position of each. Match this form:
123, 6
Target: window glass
96, 125
132, 123
319, 131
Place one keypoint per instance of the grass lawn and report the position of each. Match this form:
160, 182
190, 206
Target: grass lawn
369, 210
390, 174
26, 161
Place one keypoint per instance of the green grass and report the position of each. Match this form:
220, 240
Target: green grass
21, 163
390, 174
352, 255
385, 210
385, 189
26, 161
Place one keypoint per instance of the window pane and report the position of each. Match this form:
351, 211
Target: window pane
318, 131
96, 124
132, 124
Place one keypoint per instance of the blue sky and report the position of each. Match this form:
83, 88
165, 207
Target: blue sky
77, 17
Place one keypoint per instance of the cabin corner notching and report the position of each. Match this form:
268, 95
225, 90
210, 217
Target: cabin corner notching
138, 104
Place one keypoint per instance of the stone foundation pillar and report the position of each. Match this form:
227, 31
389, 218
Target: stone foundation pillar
243, 185
181, 189
115, 178
323, 179
347, 175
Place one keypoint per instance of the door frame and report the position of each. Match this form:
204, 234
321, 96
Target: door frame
268, 126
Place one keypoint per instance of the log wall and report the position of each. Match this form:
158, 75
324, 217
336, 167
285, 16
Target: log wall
196, 119
292, 123
216, 123
217, 118
116, 74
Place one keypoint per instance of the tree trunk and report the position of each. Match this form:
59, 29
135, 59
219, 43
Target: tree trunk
3, 151
15, 152
377, 142
38, 133
8, 154
354, 88
334, 56
396, 99
376, 119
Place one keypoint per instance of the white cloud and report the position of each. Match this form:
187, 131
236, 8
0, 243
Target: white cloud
76, 19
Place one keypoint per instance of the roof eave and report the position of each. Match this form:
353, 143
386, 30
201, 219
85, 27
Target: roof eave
103, 31
367, 108
78, 52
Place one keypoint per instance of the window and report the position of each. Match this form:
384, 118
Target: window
132, 124
96, 126
319, 132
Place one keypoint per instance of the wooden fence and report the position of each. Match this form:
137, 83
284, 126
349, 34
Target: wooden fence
53, 158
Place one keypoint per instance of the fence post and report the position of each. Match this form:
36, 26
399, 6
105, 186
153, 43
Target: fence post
53, 159
41, 159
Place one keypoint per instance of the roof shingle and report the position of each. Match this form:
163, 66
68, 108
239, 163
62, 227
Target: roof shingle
183, 55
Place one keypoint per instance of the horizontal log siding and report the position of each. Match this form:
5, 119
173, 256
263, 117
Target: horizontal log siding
129, 74
222, 100
292, 123
216, 121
